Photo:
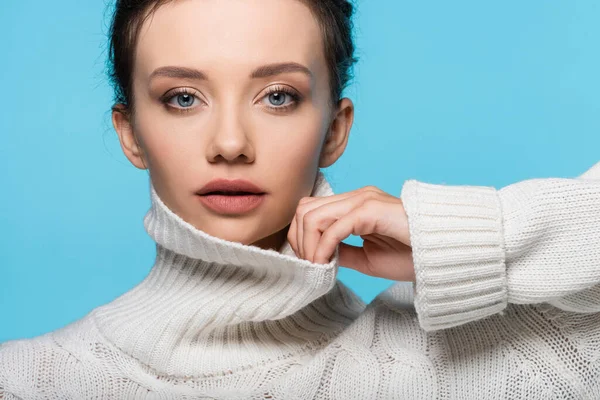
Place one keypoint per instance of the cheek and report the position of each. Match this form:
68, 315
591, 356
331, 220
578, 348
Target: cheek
166, 140
298, 158
292, 164
292, 149
170, 158
165, 145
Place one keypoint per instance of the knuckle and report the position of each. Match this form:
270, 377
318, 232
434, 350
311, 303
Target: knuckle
302, 207
371, 188
304, 200
311, 218
370, 197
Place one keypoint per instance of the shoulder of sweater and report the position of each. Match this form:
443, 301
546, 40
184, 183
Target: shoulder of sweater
17, 361
20, 358
22, 348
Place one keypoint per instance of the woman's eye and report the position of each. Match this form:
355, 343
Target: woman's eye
180, 101
277, 99
184, 100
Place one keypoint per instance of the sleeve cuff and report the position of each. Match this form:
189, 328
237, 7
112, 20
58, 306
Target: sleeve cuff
458, 252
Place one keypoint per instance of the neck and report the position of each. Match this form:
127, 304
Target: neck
209, 305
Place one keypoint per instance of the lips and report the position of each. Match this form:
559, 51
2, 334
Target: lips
235, 187
230, 203
229, 197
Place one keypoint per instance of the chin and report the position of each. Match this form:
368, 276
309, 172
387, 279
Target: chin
233, 231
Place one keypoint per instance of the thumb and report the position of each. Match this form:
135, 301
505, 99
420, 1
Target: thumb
353, 257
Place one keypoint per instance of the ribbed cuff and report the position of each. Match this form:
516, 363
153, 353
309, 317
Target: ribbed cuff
458, 252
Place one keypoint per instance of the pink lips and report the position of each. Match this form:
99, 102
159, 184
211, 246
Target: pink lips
224, 185
232, 204
231, 196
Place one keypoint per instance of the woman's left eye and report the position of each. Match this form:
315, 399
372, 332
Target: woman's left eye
276, 98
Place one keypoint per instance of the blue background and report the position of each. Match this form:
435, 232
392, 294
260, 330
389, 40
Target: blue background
461, 92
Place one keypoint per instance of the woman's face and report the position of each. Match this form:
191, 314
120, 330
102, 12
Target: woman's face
234, 120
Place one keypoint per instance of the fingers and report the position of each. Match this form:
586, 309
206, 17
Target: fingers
316, 221
293, 236
354, 257
400, 267
359, 221
322, 223
314, 215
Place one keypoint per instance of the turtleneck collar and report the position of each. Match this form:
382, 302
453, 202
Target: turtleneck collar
210, 305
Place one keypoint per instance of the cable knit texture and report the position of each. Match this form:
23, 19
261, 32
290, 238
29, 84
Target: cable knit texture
506, 305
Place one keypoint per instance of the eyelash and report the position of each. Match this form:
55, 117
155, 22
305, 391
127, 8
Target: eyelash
276, 89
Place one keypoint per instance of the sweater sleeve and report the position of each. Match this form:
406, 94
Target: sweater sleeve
477, 248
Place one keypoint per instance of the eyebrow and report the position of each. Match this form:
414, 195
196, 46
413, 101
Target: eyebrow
263, 71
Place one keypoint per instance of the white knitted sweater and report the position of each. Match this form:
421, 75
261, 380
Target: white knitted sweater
506, 306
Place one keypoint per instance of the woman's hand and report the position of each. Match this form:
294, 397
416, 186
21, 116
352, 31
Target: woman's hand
379, 218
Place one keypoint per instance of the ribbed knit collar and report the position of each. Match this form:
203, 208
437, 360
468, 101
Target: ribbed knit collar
209, 305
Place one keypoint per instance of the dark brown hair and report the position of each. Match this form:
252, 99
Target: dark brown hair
334, 17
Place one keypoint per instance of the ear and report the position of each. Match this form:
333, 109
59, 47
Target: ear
129, 143
337, 136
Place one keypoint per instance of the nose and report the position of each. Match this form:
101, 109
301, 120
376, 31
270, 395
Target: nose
230, 140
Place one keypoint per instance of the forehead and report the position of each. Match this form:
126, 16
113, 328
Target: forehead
221, 35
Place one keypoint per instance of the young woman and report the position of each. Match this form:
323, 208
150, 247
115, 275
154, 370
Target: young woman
233, 116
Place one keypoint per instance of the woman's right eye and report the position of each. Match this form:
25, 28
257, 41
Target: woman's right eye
181, 100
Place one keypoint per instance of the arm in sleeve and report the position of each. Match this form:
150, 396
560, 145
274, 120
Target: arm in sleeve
477, 248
